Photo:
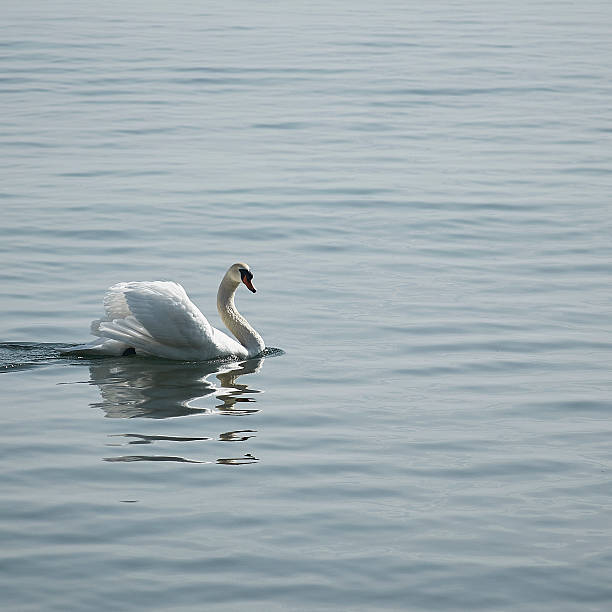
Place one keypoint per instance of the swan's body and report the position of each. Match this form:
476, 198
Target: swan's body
158, 318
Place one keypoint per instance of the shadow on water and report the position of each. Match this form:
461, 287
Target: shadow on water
135, 387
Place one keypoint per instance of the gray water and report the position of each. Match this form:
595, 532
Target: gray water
423, 193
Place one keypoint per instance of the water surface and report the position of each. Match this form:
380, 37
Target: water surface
423, 194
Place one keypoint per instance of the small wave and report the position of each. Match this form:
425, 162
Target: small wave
272, 352
16, 356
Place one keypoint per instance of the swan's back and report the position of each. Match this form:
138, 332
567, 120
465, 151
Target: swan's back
165, 311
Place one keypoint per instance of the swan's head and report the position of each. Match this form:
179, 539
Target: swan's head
241, 273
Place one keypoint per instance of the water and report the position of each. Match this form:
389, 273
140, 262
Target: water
422, 192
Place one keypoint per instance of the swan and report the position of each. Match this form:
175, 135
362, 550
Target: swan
157, 318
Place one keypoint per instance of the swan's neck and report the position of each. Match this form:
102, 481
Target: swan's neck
234, 321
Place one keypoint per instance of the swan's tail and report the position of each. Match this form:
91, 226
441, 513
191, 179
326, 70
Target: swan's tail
132, 334
100, 347
115, 338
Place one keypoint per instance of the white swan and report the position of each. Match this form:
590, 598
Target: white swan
157, 318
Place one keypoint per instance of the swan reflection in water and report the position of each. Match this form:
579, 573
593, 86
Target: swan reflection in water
133, 387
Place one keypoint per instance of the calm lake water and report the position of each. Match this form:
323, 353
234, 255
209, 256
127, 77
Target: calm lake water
423, 193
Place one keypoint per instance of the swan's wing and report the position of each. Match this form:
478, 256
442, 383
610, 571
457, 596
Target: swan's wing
115, 305
165, 311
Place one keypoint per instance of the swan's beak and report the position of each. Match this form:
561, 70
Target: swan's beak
249, 284
247, 277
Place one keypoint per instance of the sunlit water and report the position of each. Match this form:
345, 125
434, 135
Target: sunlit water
423, 194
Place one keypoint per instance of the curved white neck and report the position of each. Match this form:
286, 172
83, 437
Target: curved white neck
234, 321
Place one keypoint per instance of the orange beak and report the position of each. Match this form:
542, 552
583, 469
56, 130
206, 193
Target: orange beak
248, 283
